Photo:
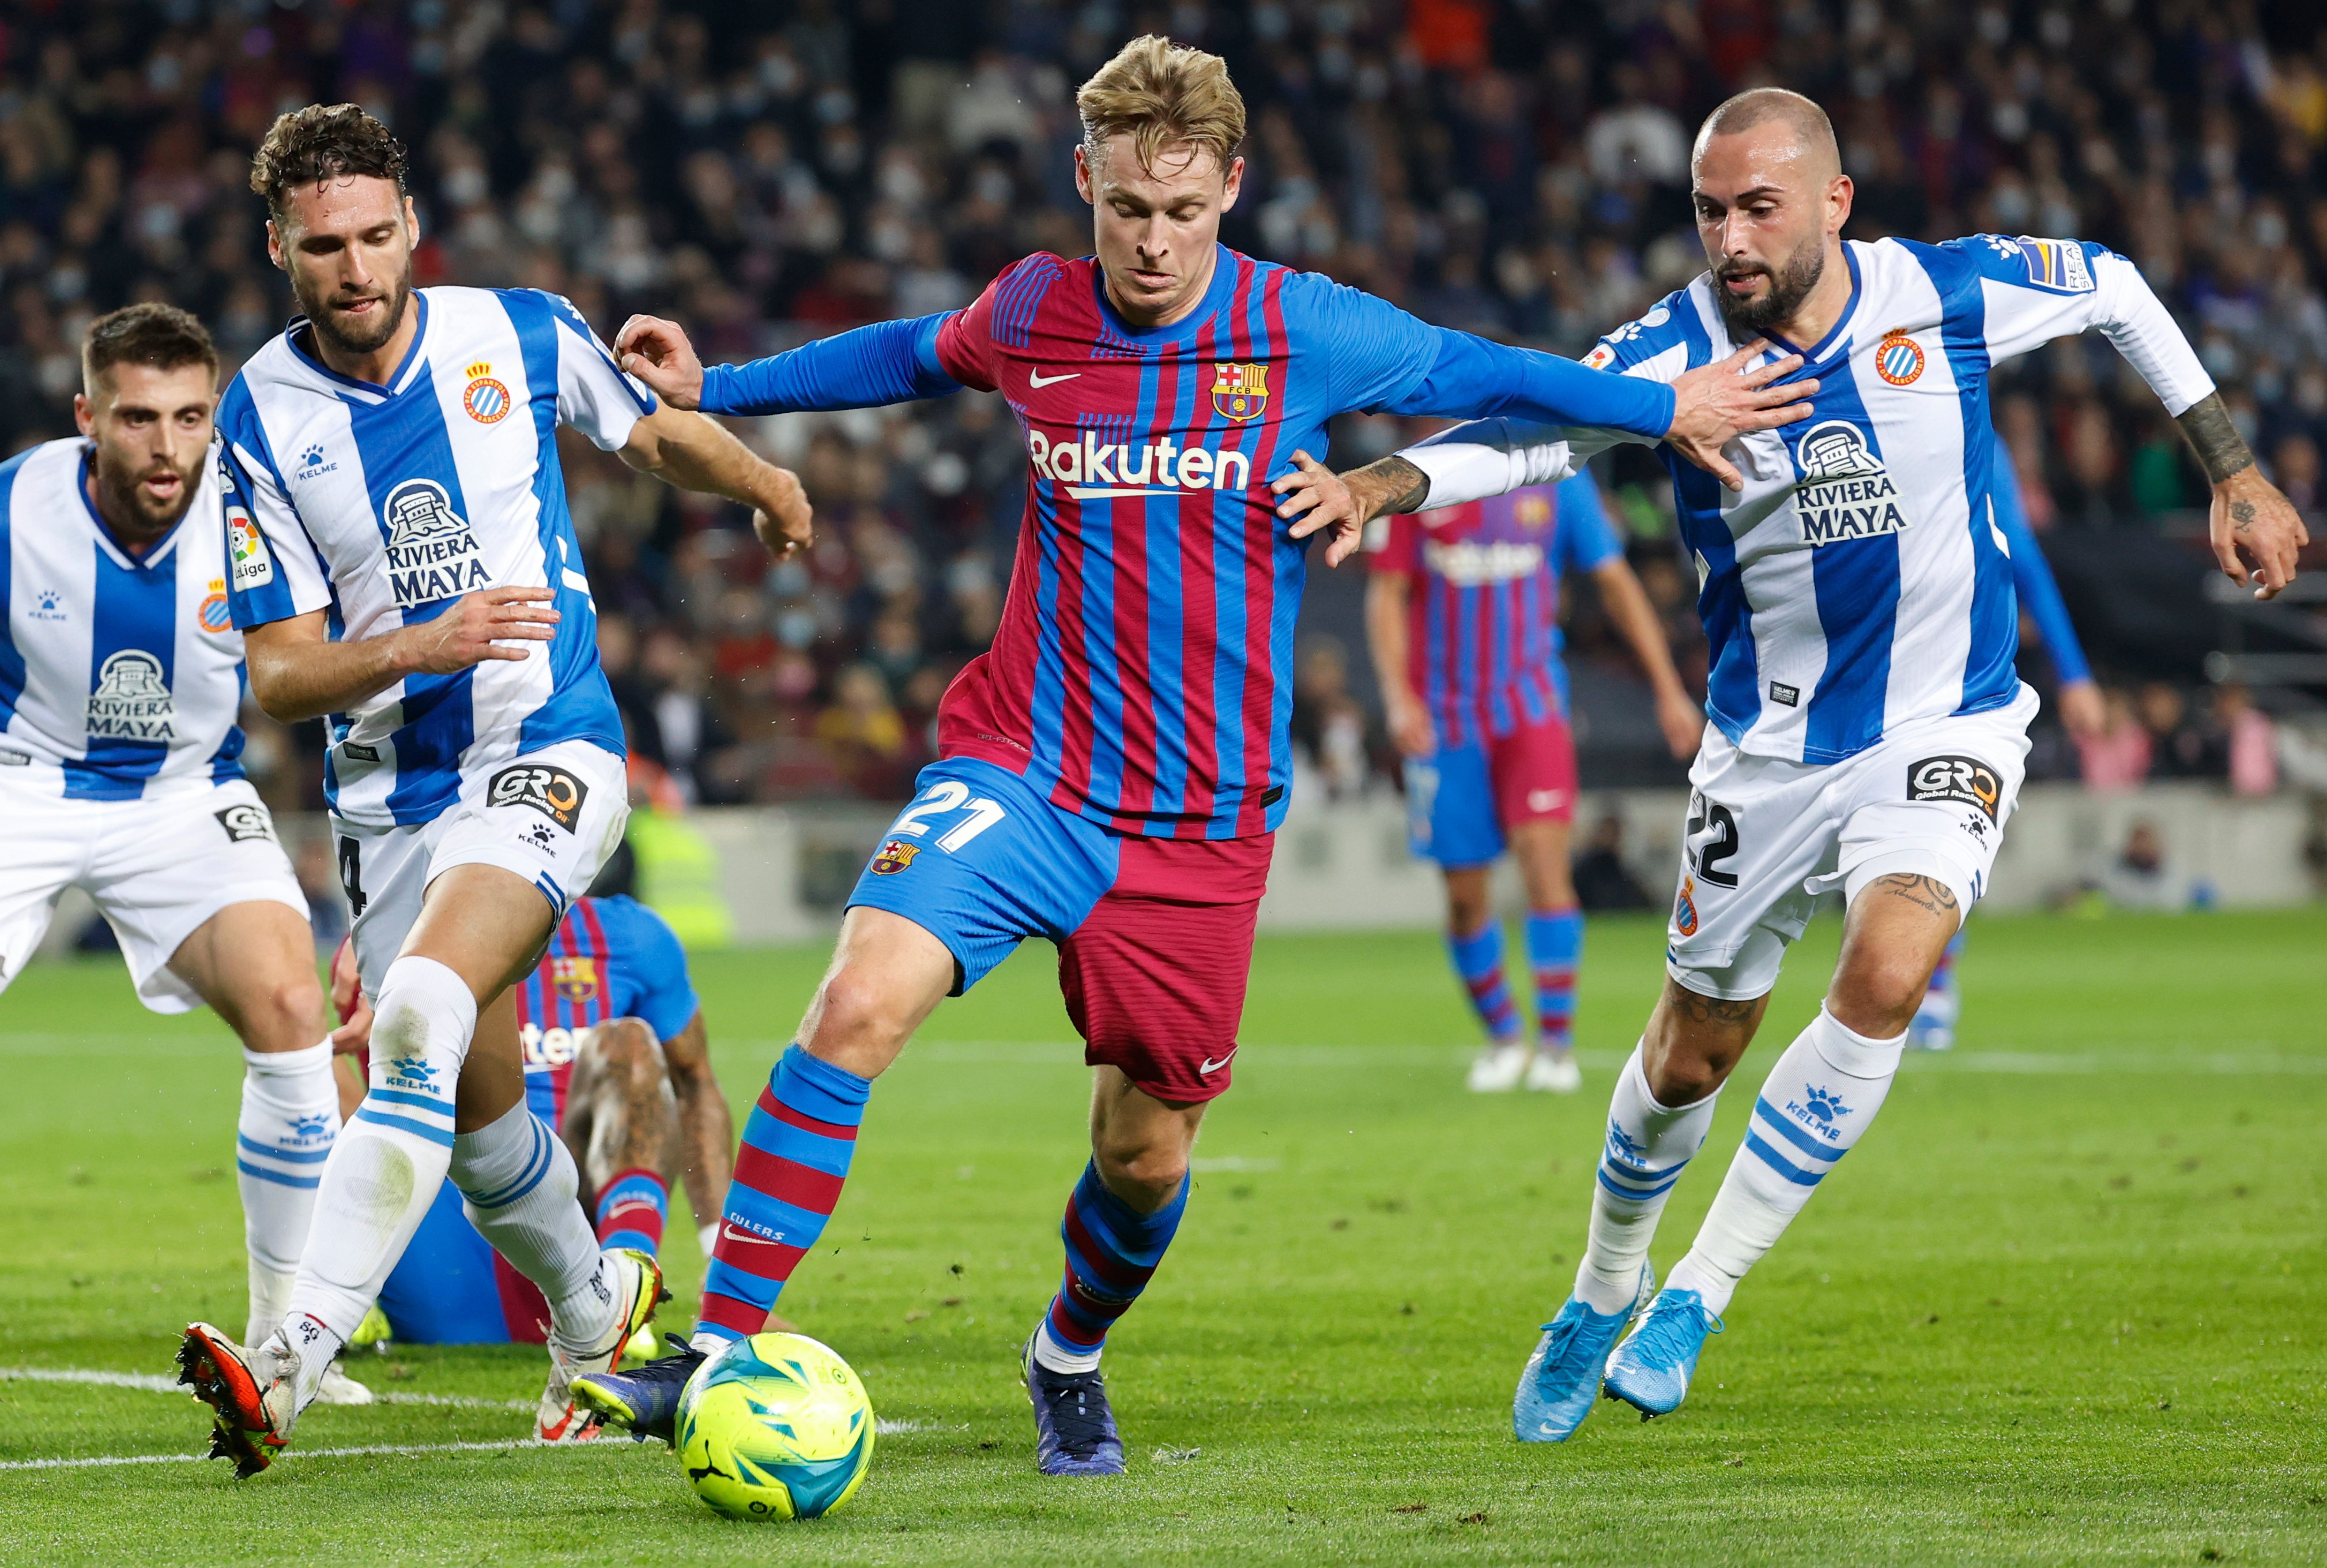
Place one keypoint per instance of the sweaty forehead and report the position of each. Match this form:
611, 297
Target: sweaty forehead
1180, 168
344, 203
1772, 152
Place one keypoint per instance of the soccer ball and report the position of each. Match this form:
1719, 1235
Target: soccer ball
775, 1427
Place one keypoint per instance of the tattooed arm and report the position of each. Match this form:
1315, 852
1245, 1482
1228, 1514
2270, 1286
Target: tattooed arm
2248, 514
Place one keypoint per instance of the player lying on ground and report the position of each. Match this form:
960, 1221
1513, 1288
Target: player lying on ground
120, 676
2077, 695
399, 546
1113, 769
617, 1061
1867, 729
1462, 618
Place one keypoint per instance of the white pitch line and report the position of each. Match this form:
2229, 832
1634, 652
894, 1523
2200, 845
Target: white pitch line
355, 1452
154, 1383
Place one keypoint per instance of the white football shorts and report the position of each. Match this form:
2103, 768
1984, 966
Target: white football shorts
1766, 838
552, 817
158, 869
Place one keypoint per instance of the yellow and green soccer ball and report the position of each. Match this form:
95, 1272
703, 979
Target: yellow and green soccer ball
775, 1427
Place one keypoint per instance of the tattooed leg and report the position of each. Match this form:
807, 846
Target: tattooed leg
1898, 928
1692, 1041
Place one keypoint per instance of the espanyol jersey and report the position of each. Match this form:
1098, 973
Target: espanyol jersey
1859, 581
383, 505
120, 674
609, 958
1482, 614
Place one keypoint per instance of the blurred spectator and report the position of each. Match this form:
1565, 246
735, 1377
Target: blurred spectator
1602, 880
863, 731
2118, 757
1332, 732
2179, 747
2137, 879
2250, 739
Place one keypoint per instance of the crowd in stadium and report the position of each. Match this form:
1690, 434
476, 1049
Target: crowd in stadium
767, 174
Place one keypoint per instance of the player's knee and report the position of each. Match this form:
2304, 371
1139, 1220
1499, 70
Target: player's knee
285, 1014
1876, 993
857, 1020
1144, 1174
628, 1053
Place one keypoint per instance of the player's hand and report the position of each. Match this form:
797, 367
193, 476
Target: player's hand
1682, 721
354, 1033
1713, 405
2082, 713
1410, 727
785, 522
657, 353
2250, 518
1317, 498
479, 627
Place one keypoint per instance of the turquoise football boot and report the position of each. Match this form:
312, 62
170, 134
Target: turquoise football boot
1563, 1376
1650, 1369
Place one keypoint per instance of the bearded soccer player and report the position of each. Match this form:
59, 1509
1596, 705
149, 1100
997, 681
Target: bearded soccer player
401, 561
1867, 730
120, 771
1463, 617
1113, 770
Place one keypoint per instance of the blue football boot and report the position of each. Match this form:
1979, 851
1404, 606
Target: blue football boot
643, 1401
1650, 1369
1563, 1376
1074, 1427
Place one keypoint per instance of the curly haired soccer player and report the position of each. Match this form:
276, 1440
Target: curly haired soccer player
401, 561
1113, 769
1868, 728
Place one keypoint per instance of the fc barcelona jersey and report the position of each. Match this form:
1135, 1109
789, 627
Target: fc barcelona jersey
609, 958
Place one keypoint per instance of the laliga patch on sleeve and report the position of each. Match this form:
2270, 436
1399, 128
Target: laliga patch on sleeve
1957, 779
244, 823
552, 791
247, 551
1602, 355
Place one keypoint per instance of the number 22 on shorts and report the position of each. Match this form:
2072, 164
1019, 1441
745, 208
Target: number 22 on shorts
945, 797
1711, 838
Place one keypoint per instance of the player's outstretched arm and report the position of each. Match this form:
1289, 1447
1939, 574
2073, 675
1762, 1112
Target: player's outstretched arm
297, 672
1678, 714
865, 367
706, 1130
694, 453
2249, 518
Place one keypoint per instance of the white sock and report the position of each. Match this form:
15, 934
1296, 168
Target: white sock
1058, 1357
391, 1159
1647, 1145
1813, 1107
289, 1119
524, 1196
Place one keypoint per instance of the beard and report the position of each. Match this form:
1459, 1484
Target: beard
333, 327
122, 500
1790, 285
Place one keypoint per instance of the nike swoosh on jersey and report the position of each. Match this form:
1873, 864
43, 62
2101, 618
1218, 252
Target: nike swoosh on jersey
1210, 1067
1036, 377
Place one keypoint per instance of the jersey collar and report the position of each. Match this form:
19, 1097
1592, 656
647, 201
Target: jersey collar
104, 530
406, 373
1841, 323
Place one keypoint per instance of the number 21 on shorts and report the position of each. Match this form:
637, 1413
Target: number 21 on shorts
943, 799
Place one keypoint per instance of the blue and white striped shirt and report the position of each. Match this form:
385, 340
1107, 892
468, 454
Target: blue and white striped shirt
383, 504
120, 674
1859, 581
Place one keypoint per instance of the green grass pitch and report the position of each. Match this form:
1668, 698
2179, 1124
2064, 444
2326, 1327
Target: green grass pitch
2064, 1305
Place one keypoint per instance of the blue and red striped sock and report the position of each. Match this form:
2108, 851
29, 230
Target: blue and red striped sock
1479, 960
787, 1176
1555, 942
632, 1210
1112, 1249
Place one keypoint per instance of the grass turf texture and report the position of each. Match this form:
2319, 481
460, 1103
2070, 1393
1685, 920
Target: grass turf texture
2063, 1305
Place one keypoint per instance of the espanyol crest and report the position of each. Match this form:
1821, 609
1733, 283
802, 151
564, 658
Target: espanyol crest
1239, 392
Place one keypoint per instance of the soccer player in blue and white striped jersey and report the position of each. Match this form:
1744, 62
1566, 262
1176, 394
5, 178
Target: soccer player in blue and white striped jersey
120, 760
1867, 730
401, 560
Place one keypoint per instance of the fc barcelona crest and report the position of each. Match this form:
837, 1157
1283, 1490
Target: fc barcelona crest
894, 857
575, 979
1239, 392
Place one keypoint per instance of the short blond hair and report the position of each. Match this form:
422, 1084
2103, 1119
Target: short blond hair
1162, 94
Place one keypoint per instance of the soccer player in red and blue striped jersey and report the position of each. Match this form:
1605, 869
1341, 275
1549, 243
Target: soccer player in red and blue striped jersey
1113, 769
618, 1067
1462, 614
